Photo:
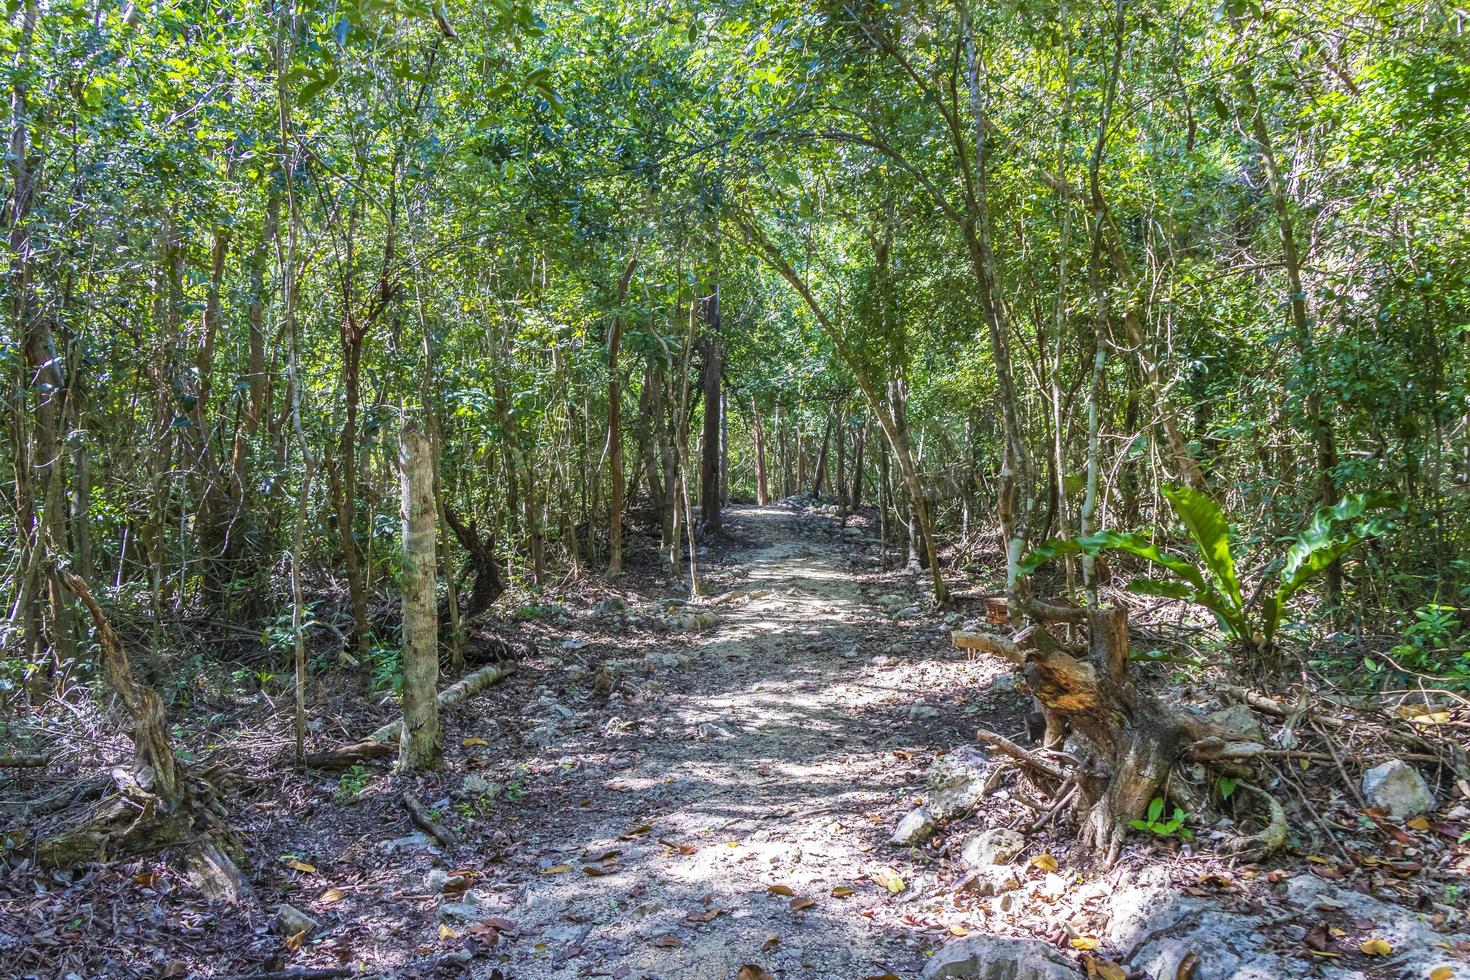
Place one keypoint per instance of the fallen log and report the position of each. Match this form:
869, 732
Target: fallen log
383, 743
420, 817
24, 760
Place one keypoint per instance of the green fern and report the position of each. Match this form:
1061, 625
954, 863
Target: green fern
1211, 580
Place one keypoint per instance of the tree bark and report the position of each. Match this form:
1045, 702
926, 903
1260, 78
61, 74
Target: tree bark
614, 427
418, 746
709, 471
762, 494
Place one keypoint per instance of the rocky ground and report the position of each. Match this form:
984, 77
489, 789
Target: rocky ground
778, 779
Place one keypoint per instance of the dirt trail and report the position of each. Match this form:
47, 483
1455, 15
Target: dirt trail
774, 757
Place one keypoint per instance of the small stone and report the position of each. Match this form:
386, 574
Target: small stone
882, 660
1459, 812
957, 781
292, 921
989, 847
915, 828
1397, 788
923, 712
476, 785
985, 957
435, 880
1240, 720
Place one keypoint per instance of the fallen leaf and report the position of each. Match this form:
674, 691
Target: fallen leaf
1101, 969
842, 891
331, 895
797, 904
642, 828
146, 880
597, 856
772, 941
1083, 942
471, 742
780, 890
294, 941
447, 933
556, 869
752, 972
301, 866
960, 931
596, 872
1442, 973
668, 942
889, 879
883, 976
1045, 862
1418, 823
1376, 947
709, 916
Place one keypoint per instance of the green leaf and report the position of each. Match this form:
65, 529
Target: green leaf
1158, 587
1155, 809
1206, 524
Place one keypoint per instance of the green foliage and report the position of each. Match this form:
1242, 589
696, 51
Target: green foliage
1434, 642
1153, 823
351, 783
1212, 582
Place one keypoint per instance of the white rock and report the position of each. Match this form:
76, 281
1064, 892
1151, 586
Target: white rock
1000, 958
477, 785
915, 828
957, 781
997, 845
435, 881
1240, 720
292, 921
1397, 788
922, 712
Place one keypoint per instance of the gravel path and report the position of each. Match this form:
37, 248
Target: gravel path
774, 757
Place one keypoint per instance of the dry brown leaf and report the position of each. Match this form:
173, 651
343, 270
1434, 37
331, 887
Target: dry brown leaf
300, 866
1102, 969
709, 916
447, 933
596, 872
842, 891
668, 942
556, 869
294, 941
752, 972
1418, 823
146, 880
1045, 862
780, 890
797, 904
1376, 947
1083, 942
772, 941
642, 828
959, 931
471, 742
1442, 973
884, 976
331, 895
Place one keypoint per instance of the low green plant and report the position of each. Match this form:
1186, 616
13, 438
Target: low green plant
1211, 579
1433, 643
1154, 824
352, 783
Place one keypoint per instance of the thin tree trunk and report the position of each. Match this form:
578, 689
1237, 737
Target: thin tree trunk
418, 746
762, 495
614, 427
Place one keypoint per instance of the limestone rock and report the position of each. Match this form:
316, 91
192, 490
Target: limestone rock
1000, 958
957, 782
1240, 720
1397, 788
997, 845
915, 828
1417, 948
291, 921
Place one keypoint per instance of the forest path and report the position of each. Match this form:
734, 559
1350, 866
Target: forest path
778, 755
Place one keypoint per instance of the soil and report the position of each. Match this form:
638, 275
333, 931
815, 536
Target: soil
645, 798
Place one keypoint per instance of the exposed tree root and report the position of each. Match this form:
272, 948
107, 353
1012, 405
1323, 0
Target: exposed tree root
1130, 741
156, 805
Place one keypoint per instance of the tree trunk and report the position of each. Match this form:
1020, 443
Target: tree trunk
762, 495
614, 427
709, 472
418, 746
